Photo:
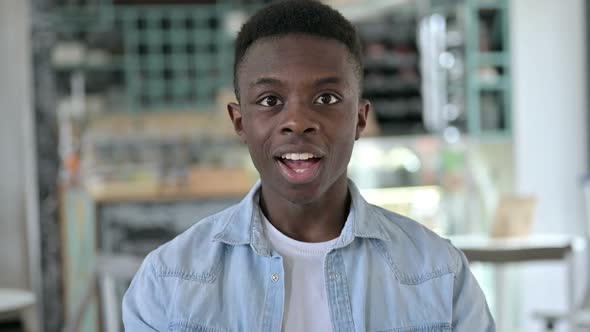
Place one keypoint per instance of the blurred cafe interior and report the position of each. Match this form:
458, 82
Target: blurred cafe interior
114, 138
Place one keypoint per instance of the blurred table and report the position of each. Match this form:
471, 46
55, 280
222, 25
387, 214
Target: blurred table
502, 251
14, 303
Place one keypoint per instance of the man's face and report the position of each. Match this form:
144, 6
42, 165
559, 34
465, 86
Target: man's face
299, 113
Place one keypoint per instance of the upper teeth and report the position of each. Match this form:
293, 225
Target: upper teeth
298, 156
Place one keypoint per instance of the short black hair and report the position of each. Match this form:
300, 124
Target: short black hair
307, 17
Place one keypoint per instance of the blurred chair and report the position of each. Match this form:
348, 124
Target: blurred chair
107, 270
580, 316
15, 304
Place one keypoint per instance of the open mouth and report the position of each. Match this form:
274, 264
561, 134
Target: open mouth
299, 167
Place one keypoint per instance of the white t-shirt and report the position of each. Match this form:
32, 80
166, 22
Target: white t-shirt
306, 305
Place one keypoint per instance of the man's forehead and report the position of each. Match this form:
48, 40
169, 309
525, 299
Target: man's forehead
273, 58
296, 44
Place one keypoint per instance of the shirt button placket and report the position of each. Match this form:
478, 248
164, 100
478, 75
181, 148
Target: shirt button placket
275, 297
338, 296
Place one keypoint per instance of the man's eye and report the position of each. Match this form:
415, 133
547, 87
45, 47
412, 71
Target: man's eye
327, 99
269, 101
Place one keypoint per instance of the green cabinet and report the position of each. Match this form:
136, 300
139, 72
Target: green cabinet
471, 67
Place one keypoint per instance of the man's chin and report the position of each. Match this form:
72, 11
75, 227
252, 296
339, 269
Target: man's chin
294, 193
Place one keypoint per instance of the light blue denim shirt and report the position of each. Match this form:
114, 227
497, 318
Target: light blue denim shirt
384, 273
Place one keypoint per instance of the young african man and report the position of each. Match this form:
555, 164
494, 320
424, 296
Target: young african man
303, 251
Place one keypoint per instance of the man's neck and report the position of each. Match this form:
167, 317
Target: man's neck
317, 221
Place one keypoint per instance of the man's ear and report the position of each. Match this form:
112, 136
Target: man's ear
363, 112
235, 114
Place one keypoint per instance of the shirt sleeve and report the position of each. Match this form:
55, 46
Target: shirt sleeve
470, 309
144, 308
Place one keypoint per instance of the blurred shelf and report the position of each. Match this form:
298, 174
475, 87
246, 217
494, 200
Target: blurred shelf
392, 140
456, 87
490, 137
491, 4
363, 10
390, 60
389, 85
498, 59
126, 192
402, 195
417, 202
201, 184
112, 66
500, 84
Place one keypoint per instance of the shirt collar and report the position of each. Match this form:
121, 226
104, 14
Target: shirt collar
244, 224
363, 220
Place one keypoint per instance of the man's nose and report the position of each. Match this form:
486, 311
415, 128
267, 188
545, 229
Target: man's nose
299, 119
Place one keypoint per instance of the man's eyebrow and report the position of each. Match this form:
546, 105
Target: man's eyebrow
277, 82
266, 81
328, 80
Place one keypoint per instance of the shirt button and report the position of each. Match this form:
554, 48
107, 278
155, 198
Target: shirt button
274, 277
333, 276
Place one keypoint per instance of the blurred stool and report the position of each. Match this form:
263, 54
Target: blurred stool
15, 305
578, 316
